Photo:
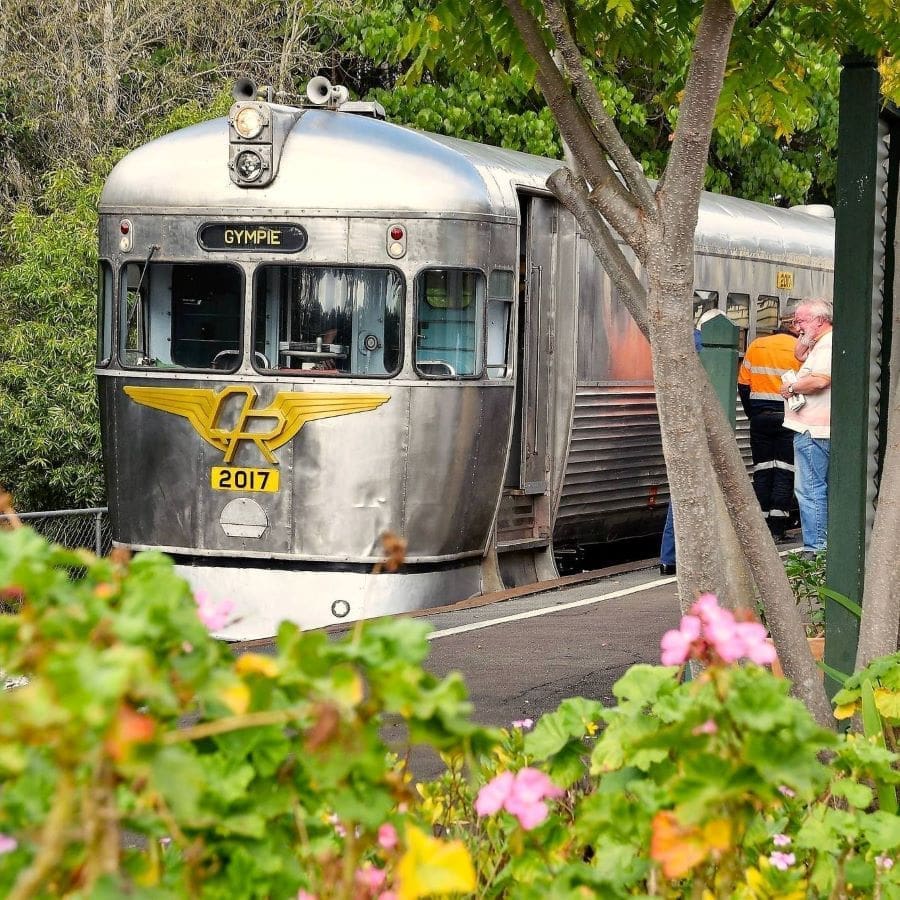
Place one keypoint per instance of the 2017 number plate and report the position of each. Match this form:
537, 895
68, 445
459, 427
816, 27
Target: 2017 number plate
234, 478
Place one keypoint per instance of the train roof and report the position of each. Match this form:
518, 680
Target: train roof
351, 164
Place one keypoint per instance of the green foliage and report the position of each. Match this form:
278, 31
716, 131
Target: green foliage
261, 775
49, 424
252, 776
807, 578
49, 439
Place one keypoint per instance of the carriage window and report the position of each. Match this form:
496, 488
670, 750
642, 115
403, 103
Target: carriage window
737, 308
448, 322
703, 302
498, 320
321, 320
180, 316
766, 314
104, 312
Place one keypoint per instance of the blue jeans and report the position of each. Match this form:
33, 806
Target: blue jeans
667, 548
811, 487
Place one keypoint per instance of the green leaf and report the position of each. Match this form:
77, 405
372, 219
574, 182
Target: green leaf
858, 795
575, 718
846, 602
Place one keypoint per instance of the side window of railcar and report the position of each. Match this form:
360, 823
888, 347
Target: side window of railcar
449, 304
104, 312
766, 314
499, 317
737, 308
328, 320
703, 302
181, 316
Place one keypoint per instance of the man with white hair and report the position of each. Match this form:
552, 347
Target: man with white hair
811, 419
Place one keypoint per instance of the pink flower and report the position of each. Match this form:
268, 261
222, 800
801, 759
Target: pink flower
781, 860
532, 785
780, 840
530, 815
370, 877
708, 727
884, 862
339, 829
522, 795
756, 646
387, 836
711, 628
676, 644
214, 614
785, 791
387, 895
494, 794
305, 895
7, 844
524, 724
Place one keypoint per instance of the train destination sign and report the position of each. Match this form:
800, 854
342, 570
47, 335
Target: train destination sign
253, 236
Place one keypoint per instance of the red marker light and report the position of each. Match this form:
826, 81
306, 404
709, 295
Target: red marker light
396, 233
125, 227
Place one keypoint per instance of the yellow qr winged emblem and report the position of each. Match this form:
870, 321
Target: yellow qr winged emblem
288, 413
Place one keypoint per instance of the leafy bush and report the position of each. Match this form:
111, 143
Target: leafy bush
253, 776
142, 758
807, 578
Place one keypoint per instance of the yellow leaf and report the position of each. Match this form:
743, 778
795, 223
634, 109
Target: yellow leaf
844, 711
236, 697
433, 23
888, 703
256, 664
430, 867
717, 834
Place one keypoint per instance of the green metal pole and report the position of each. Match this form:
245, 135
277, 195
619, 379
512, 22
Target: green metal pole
853, 284
719, 356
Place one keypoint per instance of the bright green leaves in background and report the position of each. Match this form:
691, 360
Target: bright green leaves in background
48, 398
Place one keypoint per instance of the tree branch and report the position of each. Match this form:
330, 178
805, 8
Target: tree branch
616, 204
586, 92
758, 18
690, 145
572, 193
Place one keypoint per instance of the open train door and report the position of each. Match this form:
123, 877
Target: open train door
523, 524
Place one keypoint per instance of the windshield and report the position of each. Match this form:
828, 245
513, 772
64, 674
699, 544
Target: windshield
322, 320
180, 315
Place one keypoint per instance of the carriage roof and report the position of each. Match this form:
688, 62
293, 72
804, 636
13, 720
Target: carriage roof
334, 162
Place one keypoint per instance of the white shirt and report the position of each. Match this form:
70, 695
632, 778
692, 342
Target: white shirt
815, 415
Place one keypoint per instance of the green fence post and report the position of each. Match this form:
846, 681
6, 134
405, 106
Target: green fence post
719, 356
853, 281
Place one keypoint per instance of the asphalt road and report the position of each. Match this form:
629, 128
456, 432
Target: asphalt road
576, 641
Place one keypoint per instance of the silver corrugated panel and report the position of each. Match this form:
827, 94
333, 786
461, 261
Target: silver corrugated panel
615, 475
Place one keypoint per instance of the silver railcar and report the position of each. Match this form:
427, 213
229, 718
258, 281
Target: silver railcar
317, 327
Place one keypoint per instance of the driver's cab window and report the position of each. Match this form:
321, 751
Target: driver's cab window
449, 304
181, 316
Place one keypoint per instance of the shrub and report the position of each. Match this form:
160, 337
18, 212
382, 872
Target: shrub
142, 758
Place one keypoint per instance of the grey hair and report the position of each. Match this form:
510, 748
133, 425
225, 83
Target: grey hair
818, 306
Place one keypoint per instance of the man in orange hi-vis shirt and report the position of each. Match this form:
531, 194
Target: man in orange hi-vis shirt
771, 444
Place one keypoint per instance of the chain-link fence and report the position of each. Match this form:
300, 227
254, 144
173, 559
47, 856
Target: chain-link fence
73, 528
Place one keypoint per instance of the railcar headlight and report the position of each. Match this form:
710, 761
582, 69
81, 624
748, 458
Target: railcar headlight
248, 122
249, 165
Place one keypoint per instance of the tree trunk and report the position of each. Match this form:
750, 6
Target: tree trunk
780, 605
681, 417
878, 633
